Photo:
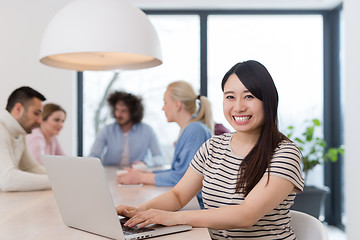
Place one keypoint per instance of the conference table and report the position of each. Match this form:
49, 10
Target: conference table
34, 215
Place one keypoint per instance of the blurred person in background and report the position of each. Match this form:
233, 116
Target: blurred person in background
196, 126
43, 140
19, 171
128, 142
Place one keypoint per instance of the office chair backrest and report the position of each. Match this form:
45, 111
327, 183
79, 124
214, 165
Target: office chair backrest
306, 227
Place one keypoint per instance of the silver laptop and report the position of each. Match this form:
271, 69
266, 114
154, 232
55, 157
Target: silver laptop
83, 197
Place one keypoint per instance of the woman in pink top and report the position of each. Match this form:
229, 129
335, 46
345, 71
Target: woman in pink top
42, 140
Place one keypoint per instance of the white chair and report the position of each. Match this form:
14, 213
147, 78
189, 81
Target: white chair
306, 227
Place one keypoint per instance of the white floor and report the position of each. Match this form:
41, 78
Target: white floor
335, 233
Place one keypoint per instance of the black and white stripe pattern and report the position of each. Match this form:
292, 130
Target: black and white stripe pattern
219, 166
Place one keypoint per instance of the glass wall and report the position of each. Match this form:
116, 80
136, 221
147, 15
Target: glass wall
180, 41
289, 46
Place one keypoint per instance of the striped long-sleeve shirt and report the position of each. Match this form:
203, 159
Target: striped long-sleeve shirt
219, 166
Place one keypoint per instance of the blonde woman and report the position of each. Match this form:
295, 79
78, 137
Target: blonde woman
43, 139
180, 106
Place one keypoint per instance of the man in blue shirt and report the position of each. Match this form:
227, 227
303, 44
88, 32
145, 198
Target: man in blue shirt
127, 141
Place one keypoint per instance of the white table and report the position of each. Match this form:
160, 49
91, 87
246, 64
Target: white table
34, 215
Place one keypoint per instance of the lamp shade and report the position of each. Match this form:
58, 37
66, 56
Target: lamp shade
100, 35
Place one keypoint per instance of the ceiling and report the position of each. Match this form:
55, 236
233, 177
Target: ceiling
237, 4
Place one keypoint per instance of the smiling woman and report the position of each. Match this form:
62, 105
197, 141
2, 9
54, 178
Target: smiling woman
243, 111
241, 189
42, 140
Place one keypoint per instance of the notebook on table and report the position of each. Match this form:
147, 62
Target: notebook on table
85, 202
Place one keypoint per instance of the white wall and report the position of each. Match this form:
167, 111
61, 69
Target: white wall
352, 117
21, 26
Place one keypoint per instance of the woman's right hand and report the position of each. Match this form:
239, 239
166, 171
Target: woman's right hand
127, 211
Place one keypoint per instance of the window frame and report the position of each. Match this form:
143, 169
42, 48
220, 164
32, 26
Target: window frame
333, 121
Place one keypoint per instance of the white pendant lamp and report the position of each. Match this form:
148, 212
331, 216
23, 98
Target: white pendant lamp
100, 35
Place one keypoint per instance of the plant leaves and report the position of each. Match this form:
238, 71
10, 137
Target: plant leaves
313, 148
316, 122
309, 133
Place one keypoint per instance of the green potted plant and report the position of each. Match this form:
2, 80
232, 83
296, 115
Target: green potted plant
314, 151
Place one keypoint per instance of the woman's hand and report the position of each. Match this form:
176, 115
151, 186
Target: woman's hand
154, 216
132, 176
135, 176
127, 211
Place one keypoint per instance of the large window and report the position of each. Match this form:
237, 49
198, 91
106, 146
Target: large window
200, 46
289, 46
180, 41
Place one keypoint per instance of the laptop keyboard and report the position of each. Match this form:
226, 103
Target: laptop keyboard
133, 230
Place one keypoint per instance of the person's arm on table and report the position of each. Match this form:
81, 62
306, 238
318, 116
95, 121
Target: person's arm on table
159, 178
190, 141
28, 176
163, 177
173, 200
29, 164
135, 176
261, 200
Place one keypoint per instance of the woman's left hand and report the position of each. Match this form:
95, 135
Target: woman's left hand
132, 176
126, 211
153, 216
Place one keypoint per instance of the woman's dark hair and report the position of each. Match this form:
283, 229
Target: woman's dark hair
133, 103
258, 81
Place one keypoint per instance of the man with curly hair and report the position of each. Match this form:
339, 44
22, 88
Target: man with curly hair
127, 142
